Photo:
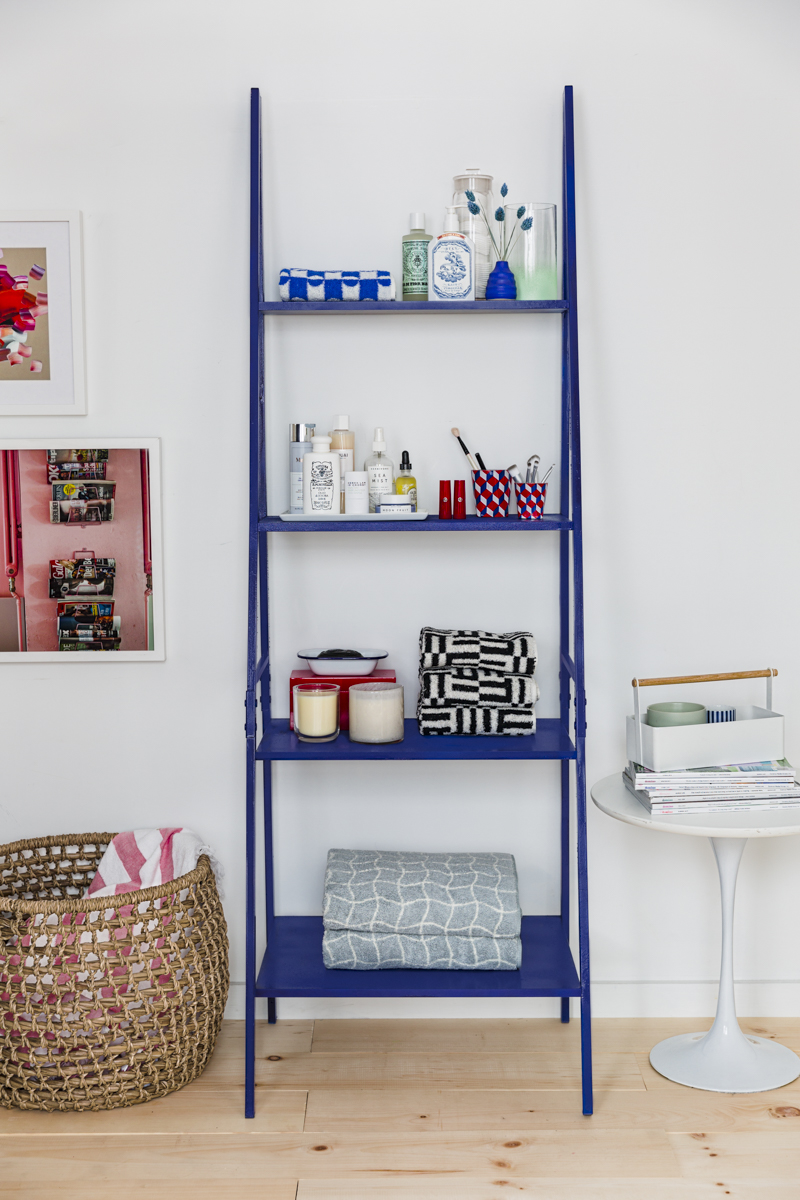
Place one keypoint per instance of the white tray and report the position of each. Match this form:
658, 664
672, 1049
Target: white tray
322, 517
755, 736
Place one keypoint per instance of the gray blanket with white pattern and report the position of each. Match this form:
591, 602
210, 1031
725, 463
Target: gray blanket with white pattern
346, 949
432, 895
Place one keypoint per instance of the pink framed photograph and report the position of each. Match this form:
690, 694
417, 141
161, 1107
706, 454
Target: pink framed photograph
80, 533
42, 360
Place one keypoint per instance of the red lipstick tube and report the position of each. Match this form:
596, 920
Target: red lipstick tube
460, 500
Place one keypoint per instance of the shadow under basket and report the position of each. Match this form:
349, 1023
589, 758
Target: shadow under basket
530, 500
107, 1001
492, 490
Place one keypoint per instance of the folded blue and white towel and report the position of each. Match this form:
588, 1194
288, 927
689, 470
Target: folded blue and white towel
301, 285
347, 950
432, 895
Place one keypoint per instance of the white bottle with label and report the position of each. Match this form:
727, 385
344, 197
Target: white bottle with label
321, 491
451, 262
343, 441
380, 471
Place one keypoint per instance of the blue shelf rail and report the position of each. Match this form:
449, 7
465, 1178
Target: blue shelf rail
292, 964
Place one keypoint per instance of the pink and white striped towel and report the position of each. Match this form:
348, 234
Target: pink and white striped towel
144, 858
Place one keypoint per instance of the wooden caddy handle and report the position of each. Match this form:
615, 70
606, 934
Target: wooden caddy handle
769, 673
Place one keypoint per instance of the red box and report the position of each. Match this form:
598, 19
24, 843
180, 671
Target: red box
345, 682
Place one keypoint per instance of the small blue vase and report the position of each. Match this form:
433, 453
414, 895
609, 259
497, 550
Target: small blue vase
501, 284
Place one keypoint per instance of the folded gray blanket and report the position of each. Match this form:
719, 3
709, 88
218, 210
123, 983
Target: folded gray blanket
471, 685
348, 950
509, 653
476, 720
393, 891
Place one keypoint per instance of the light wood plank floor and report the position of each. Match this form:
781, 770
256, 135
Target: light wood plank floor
423, 1110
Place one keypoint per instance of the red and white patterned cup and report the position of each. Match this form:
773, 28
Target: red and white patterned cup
492, 493
530, 500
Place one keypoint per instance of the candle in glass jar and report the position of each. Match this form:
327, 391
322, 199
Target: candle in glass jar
376, 712
316, 711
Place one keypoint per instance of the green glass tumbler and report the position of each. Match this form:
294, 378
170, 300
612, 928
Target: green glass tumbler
533, 252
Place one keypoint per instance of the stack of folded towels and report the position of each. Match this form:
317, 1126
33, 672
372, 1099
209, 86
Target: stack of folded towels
476, 683
389, 909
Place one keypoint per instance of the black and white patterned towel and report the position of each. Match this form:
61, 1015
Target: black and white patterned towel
471, 685
507, 653
476, 720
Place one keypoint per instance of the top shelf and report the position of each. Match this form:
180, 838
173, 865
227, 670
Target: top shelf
338, 308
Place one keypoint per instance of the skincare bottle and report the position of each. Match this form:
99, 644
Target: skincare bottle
300, 443
415, 258
343, 441
406, 484
451, 262
356, 493
380, 471
321, 477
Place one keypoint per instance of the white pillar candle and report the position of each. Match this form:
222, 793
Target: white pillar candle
376, 712
316, 711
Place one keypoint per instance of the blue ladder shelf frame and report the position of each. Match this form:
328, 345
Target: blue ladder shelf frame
292, 964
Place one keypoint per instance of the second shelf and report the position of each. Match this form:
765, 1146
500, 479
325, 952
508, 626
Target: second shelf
551, 740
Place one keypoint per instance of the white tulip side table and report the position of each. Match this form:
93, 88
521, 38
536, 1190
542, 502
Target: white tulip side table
724, 1059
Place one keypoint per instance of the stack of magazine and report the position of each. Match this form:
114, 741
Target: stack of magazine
80, 493
736, 787
85, 612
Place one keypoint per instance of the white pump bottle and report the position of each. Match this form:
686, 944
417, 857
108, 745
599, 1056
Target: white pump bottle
321, 478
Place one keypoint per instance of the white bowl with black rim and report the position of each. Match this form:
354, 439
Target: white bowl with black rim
340, 661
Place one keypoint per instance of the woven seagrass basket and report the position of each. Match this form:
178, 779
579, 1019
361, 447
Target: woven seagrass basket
108, 1001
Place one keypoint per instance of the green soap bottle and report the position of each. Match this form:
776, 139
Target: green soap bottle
415, 258
406, 484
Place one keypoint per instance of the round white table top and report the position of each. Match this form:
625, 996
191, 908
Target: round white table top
612, 797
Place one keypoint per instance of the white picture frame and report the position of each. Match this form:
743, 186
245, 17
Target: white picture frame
63, 391
82, 534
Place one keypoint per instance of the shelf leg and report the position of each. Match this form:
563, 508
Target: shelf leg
565, 859
725, 1059
250, 948
269, 859
583, 930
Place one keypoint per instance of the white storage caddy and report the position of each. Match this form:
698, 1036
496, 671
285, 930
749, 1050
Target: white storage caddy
755, 736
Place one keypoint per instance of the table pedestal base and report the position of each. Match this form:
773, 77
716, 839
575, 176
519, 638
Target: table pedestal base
728, 1064
725, 1059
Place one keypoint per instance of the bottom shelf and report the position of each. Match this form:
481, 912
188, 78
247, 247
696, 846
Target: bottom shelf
292, 966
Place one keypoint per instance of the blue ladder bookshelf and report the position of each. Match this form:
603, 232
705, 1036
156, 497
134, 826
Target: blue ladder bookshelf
292, 964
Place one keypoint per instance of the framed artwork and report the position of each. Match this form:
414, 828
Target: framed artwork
81, 577
42, 369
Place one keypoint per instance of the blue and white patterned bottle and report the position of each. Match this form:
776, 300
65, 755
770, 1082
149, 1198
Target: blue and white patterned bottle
451, 262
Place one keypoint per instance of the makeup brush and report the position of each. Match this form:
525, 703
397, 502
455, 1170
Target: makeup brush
547, 476
470, 457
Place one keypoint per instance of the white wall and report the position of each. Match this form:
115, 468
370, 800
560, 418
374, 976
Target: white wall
686, 118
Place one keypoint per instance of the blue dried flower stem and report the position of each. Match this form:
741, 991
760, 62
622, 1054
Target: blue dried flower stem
475, 208
524, 227
520, 212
